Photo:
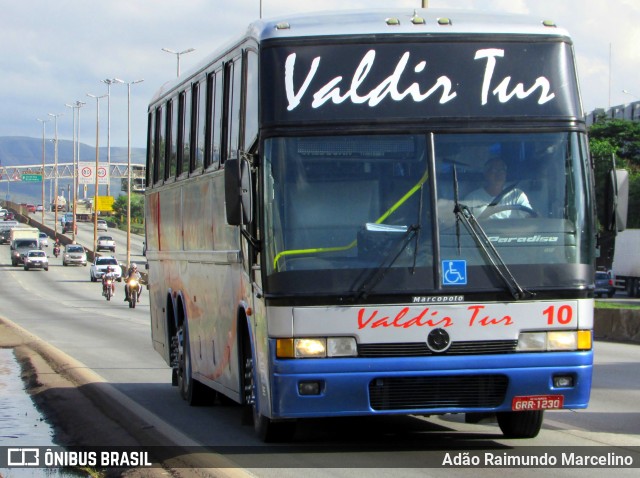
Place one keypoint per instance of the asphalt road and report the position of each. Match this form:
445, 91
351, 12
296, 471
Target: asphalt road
65, 309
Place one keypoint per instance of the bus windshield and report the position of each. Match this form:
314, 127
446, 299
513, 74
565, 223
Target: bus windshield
337, 207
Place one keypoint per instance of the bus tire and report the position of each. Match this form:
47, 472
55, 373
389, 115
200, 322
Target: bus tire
269, 431
520, 424
192, 391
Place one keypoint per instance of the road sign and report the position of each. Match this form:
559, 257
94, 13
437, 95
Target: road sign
86, 173
35, 178
105, 203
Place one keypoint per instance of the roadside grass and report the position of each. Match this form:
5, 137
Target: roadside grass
614, 305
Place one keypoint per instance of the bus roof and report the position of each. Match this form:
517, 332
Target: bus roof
380, 22
405, 21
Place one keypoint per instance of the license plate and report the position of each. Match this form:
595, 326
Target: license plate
537, 402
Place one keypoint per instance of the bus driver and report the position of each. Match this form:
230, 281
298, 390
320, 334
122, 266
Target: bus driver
494, 197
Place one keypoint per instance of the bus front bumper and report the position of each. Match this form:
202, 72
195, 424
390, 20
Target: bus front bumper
428, 385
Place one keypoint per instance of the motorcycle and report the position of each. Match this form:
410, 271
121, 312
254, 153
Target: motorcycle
108, 288
56, 250
134, 292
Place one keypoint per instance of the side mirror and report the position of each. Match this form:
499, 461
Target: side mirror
617, 200
238, 192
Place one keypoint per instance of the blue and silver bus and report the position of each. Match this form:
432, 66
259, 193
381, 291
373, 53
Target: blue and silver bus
325, 232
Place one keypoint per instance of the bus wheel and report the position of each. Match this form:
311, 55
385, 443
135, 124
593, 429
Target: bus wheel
520, 424
266, 429
190, 390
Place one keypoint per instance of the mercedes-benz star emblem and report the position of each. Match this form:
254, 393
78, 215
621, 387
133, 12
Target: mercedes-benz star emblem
438, 340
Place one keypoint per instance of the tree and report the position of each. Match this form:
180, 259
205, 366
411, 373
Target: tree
137, 208
620, 139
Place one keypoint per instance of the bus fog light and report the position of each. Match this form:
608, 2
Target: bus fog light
532, 341
564, 340
309, 388
563, 381
341, 347
310, 348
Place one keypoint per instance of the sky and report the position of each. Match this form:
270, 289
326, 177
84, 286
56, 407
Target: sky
54, 53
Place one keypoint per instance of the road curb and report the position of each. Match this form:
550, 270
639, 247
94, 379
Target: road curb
144, 426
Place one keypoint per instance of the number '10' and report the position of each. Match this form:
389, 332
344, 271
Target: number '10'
563, 315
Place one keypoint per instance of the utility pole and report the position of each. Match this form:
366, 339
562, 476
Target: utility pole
178, 54
95, 199
43, 162
55, 170
129, 83
109, 82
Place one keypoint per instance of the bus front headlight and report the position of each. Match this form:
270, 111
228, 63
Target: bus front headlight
554, 340
316, 347
310, 348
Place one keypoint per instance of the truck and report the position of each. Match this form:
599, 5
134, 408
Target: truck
84, 210
626, 262
23, 240
62, 204
5, 231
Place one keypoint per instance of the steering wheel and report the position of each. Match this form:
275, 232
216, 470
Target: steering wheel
493, 210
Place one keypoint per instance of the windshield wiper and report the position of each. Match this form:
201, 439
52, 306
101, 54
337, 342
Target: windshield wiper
464, 215
373, 278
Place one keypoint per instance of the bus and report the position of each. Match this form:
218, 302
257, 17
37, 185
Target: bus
315, 244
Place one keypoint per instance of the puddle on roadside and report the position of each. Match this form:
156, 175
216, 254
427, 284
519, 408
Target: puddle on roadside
21, 423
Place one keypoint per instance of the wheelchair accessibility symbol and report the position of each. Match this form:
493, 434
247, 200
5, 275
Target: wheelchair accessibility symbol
454, 272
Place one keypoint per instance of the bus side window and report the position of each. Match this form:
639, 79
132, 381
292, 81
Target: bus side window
231, 115
172, 139
150, 148
216, 126
184, 133
160, 150
200, 127
251, 101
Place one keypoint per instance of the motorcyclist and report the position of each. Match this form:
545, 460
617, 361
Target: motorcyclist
56, 247
109, 274
132, 272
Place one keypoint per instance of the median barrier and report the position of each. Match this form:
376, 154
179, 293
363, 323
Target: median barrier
620, 325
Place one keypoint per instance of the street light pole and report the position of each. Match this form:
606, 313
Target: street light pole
109, 82
178, 54
129, 164
55, 170
95, 199
43, 161
76, 106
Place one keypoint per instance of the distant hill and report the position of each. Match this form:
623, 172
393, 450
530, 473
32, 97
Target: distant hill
19, 150
22, 150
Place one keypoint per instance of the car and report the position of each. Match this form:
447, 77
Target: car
9, 216
102, 225
74, 254
99, 267
3, 212
19, 248
68, 227
31, 208
106, 243
604, 285
39, 208
66, 217
44, 239
36, 259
